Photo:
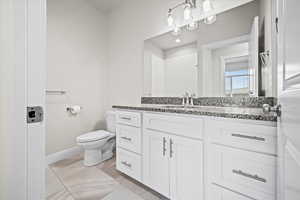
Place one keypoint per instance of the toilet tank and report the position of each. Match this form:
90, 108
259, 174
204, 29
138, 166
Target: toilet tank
111, 121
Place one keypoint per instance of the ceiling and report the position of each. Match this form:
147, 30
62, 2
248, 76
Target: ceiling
106, 5
109, 5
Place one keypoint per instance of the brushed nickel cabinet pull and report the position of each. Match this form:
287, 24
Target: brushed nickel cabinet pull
164, 146
126, 118
126, 138
248, 137
171, 148
126, 164
254, 177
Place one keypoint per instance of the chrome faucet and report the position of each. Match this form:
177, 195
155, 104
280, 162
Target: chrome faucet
192, 99
188, 100
185, 99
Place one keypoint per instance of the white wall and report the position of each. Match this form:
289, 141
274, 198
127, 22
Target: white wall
153, 70
181, 72
77, 63
158, 76
129, 26
166, 71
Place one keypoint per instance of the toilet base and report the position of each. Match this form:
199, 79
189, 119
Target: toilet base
95, 157
92, 157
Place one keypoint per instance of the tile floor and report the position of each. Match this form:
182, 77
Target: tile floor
70, 180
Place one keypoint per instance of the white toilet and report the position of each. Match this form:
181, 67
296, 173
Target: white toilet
99, 145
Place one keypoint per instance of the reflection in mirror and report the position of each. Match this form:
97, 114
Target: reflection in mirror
236, 75
219, 59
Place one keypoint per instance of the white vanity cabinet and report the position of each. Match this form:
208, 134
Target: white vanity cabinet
241, 157
128, 137
173, 162
219, 193
156, 162
188, 157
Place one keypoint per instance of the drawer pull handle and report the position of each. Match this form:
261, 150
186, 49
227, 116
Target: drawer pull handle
255, 177
164, 146
248, 137
126, 118
126, 138
171, 148
126, 164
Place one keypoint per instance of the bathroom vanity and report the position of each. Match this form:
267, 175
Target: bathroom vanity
211, 153
225, 147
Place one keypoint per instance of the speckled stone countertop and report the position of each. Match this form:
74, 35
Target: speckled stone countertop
225, 112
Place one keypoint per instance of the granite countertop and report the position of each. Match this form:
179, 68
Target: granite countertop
225, 112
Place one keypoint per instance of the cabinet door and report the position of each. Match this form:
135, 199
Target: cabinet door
186, 156
156, 161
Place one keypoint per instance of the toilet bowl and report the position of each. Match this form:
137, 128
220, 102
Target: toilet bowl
99, 145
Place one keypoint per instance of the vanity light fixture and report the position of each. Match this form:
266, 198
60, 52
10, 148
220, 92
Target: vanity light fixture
193, 25
208, 7
210, 20
187, 5
170, 18
187, 12
176, 31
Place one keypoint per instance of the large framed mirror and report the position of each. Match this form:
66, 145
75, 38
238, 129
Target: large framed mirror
230, 57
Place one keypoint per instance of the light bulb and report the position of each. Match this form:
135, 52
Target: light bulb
207, 6
187, 13
210, 20
176, 30
178, 40
170, 19
192, 26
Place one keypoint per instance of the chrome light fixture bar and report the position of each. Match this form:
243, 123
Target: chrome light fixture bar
208, 7
187, 5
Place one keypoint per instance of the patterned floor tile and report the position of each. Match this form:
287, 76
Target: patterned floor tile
71, 180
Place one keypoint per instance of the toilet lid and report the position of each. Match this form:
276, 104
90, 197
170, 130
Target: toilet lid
93, 136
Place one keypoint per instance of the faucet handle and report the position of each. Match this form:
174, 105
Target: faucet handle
192, 98
183, 99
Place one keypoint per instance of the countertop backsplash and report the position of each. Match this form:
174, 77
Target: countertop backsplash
248, 102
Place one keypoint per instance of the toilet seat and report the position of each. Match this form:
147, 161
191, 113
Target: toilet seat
93, 136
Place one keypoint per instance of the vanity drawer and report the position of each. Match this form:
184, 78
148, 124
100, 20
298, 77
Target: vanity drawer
129, 163
129, 138
252, 174
179, 125
219, 193
129, 118
257, 138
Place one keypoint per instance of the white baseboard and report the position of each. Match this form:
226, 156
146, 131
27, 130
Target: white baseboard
61, 155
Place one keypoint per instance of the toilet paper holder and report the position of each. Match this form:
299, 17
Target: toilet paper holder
73, 110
